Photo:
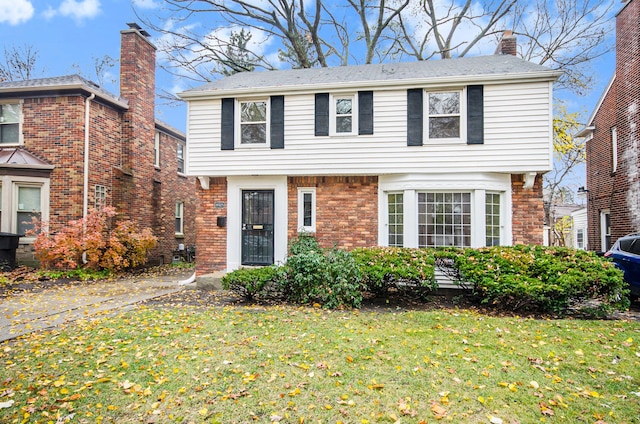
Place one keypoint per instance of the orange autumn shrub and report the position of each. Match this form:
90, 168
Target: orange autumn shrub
92, 243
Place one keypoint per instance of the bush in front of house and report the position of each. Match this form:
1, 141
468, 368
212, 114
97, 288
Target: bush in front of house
410, 271
543, 279
93, 243
255, 283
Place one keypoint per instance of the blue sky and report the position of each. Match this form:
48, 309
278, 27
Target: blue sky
70, 34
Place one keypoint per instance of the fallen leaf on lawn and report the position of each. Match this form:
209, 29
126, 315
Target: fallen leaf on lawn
495, 420
534, 384
7, 404
438, 410
545, 409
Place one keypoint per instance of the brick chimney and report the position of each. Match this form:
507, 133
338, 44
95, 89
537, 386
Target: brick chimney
137, 87
508, 44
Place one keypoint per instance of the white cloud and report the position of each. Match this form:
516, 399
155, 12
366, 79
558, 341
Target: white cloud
78, 10
15, 11
146, 4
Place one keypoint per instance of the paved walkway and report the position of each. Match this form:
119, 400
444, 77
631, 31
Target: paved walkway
33, 311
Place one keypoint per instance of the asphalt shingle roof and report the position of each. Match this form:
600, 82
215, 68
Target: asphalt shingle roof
404, 71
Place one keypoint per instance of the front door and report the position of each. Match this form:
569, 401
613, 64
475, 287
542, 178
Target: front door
257, 227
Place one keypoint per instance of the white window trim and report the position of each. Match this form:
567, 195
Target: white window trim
614, 149
20, 103
180, 205
156, 145
333, 116
476, 183
99, 189
184, 154
10, 186
462, 92
301, 192
603, 225
238, 124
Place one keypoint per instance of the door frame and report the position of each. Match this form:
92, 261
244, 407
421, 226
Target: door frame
269, 259
235, 186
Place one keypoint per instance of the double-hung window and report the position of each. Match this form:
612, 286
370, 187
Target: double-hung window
444, 115
254, 118
9, 123
179, 218
180, 157
307, 210
29, 206
344, 117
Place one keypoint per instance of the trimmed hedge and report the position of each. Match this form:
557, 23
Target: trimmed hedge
544, 279
520, 278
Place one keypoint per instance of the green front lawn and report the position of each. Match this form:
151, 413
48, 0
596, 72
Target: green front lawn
309, 365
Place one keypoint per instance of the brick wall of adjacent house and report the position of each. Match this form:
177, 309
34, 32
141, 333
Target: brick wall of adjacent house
346, 209
527, 210
600, 176
619, 191
121, 154
625, 213
211, 244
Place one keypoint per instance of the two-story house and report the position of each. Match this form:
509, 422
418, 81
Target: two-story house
613, 142
67, 146
433, 153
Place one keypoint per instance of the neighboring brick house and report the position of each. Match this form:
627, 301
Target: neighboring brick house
613, 142
67, 146
434, 153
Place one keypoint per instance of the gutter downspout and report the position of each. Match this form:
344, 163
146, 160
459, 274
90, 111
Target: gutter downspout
85, 200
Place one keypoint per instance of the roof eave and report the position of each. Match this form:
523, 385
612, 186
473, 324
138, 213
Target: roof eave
549, 75
65, 87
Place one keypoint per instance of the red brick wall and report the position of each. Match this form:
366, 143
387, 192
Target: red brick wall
121, 154
528, 211
211, 245
600, 177
346, 210
619, 191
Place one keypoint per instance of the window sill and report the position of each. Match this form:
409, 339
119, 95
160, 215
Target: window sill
181, 174
179, 236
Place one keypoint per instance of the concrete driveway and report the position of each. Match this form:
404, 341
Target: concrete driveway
31, 311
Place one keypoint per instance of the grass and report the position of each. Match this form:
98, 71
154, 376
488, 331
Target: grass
309, 365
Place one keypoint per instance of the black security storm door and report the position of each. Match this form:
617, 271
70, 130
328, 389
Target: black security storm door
257, 227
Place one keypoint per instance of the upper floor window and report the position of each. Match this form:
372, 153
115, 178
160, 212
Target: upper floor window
156, 150
344, 118
444, 114
10, 123
180, 154
253, 122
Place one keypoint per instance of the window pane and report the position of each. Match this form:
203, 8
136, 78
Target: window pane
492, 218
24, 221
254, 133
253, 112
396, 219
9, 114
307, 209
444, 219
9, 133
344, 106
29, 199
444, 127
343, 124
444, 103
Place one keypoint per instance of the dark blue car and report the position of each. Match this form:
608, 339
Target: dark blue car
625, 253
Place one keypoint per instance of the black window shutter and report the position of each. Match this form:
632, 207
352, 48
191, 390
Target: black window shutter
475, 114
414, 117
365, 112
322, 114
227, 139
277, 122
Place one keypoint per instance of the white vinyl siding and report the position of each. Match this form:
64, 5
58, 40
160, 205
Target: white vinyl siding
517, 122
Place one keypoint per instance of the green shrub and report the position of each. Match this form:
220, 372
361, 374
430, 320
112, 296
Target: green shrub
253, 283
303, 243
330, 278
408, 270
545, 279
